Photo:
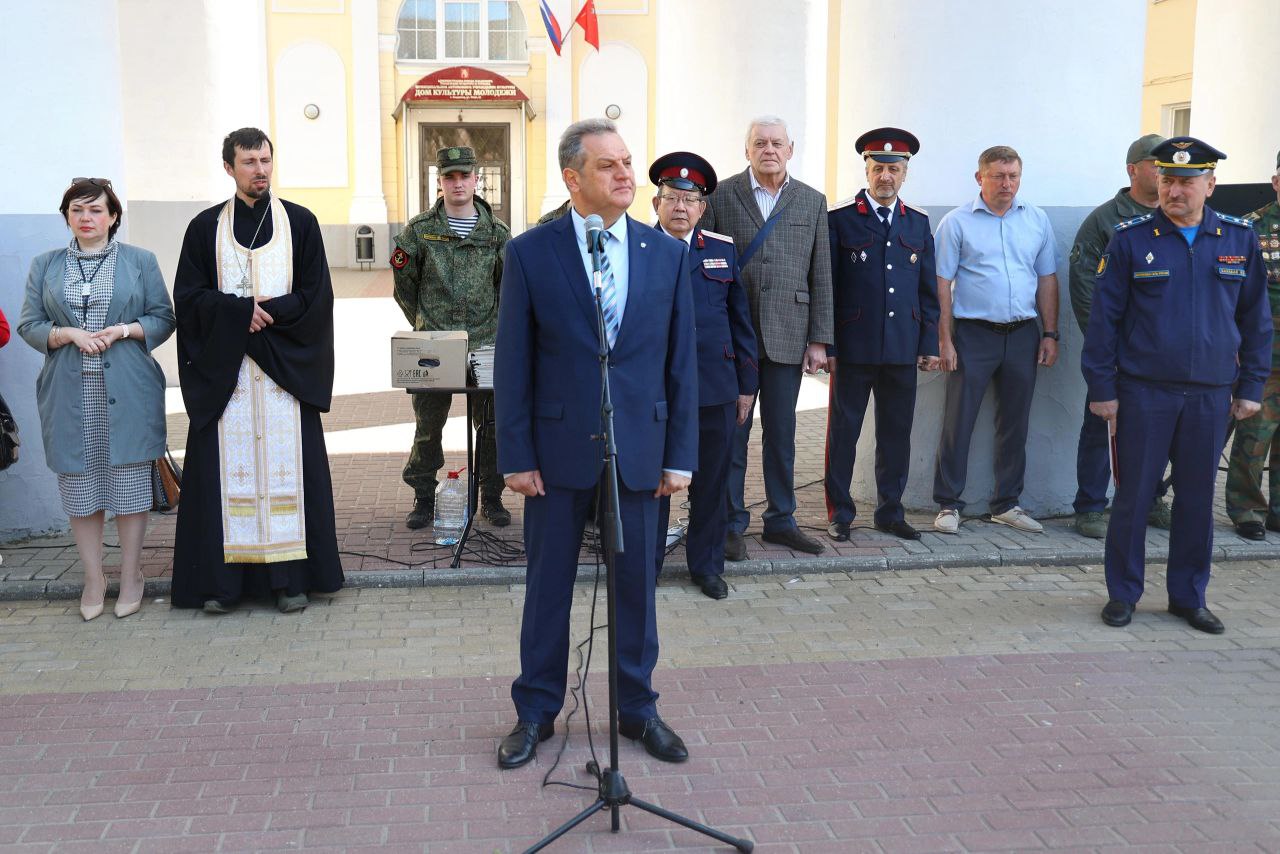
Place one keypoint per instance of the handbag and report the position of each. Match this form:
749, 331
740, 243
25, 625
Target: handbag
166, 483
8, 436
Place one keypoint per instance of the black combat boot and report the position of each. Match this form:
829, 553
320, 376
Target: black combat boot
423, 512
491, 507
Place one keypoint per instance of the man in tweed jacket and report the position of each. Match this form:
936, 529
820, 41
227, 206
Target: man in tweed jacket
788, 282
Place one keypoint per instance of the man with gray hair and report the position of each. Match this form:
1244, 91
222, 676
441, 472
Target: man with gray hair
787, 274
547, 393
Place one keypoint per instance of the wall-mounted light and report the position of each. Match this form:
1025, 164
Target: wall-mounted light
311, 111
613, 111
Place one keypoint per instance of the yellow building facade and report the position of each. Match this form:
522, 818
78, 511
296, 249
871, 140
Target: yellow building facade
317, 77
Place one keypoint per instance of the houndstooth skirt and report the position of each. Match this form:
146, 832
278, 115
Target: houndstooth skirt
102, 486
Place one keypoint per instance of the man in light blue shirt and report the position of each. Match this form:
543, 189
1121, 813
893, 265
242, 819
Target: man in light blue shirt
998, 253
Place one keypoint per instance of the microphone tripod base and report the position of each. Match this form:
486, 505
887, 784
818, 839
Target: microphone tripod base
614, 793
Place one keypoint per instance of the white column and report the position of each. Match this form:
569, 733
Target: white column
236, 97
62, 60
559, 108
1021, 74
766, 58
1233, 105
368, 206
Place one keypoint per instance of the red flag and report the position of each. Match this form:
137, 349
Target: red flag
590, 26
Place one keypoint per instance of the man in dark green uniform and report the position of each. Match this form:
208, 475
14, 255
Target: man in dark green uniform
447, 265
1093, 469
1258, 438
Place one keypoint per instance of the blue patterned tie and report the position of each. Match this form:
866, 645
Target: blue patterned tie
608, 294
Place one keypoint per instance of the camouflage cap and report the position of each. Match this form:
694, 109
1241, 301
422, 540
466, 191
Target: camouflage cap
458, 158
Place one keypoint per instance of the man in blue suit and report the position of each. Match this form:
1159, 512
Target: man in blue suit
728, 375
547, 398
886, 305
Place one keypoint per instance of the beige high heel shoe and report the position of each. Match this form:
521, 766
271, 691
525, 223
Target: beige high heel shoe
124, 609
90, 612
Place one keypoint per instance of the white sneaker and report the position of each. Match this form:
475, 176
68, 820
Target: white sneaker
1016, 517
947, 522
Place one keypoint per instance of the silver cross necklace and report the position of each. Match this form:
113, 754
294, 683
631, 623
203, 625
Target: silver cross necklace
244, 287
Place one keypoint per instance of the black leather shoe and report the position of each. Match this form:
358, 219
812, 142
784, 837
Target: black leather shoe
1117, 613
423, 512
712, 586
1199, 618
735, 546
1251, 530
491, 507
658, 739
287, 604
521, 744
794, 540
901, 529
838, 531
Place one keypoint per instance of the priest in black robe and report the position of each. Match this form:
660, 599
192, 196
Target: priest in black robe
255, 361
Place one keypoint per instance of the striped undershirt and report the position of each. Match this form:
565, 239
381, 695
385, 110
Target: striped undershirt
462, 225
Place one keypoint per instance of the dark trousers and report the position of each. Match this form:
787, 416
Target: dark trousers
1093, 465
1157, 425
426, 457
779, 390
895, 390
708, 510
987, 356
553, 526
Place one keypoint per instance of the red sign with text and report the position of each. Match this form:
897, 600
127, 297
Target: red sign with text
464, 83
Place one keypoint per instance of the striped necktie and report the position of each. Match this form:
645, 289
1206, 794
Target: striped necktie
608, 293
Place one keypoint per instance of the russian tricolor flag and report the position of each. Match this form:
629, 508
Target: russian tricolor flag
552, 25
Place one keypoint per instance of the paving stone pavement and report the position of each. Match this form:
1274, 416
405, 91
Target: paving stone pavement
371, 501
945, 709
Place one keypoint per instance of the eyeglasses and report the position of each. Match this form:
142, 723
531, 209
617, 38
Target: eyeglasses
687, 201
100, 183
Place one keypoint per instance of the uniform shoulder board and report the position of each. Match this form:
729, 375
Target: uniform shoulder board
1235, 220
1252, 216
717, 236
1130, 223
924, 213
844, 204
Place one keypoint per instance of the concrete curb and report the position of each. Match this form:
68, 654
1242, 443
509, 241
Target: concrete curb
37, 589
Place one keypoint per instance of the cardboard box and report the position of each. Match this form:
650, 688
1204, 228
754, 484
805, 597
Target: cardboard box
429, 360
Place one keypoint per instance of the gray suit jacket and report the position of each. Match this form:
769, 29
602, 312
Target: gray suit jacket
135, 382
788, 280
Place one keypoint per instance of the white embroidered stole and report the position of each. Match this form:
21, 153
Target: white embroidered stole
260, 431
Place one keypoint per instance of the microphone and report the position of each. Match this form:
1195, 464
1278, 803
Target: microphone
595, 231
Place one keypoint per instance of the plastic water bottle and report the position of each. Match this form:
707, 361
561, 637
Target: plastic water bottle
451, 509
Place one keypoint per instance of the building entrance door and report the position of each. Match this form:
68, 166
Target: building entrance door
492, 145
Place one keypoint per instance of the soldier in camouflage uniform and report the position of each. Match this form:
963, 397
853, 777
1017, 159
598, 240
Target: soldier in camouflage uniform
447, 265
555, 214
1093, 468
1257, 438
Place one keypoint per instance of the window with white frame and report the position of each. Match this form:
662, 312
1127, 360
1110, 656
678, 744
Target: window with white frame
477, 30
1176, 119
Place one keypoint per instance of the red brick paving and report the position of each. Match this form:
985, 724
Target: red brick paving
1159, 751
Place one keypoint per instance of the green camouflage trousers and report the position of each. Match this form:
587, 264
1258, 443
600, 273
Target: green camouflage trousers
1256, 443
426, 458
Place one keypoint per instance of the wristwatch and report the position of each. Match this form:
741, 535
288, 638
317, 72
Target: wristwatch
1054, 335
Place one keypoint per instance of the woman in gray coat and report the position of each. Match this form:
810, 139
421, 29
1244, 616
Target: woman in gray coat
97, 309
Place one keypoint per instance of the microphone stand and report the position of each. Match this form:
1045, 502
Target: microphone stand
613, 792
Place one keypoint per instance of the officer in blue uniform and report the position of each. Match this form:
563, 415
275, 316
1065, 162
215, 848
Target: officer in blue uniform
886, 312
1179, 338
727, 371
